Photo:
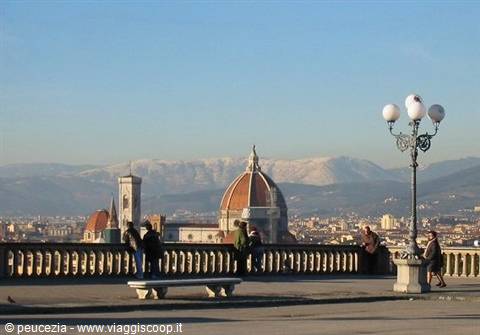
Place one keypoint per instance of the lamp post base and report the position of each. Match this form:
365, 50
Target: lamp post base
411, 276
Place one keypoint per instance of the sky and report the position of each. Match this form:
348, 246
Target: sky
106, 82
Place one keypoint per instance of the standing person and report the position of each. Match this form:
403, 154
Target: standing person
151, 241
370, 244
255, 245
134, 242
241, 246
433, 254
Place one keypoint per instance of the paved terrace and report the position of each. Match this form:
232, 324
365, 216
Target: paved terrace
62, 296
276, 305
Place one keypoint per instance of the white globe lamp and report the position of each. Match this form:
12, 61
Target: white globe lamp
411, 99
391, 113
416, 111
436, 113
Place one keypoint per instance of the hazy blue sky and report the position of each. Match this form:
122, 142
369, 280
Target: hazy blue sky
105, 82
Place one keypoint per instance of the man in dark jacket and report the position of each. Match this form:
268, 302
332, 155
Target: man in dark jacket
134, 242
151, 241
241, 245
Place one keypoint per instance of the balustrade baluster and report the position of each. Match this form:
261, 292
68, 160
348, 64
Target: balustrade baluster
472, 265
25, 266
456, 271
62, 263
271, 261
338, 261
478, 264
45, 269
35, 264
464, 265
317, 261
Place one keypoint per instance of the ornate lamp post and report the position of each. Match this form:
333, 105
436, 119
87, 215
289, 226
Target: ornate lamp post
410, 267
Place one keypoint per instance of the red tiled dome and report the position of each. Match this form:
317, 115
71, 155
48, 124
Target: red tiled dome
252, 188
97, 221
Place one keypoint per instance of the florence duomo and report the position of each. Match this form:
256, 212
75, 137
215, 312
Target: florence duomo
252, 197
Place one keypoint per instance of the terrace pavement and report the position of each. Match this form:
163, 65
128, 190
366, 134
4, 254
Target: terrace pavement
53, 296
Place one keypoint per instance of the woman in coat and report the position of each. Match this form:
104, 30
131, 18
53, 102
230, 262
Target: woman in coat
433, 254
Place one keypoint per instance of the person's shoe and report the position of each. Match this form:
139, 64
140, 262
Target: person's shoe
139, 276
443, 285
438, 284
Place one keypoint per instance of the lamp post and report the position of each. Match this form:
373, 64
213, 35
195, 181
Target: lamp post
414, 142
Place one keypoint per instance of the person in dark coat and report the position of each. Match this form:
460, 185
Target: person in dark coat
241, 246
134, 242
433, 255
370, 244
256, 248
151, 242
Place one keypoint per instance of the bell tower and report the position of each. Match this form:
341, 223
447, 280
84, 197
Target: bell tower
129, 201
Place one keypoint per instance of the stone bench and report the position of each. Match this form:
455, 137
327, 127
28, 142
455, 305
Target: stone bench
157, 289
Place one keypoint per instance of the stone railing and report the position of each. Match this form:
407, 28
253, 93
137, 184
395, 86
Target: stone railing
457, 261
31, 260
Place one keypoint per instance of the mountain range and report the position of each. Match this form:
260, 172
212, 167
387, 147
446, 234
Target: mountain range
326, 185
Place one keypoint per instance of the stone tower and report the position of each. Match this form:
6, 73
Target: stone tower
111, 234
129, 200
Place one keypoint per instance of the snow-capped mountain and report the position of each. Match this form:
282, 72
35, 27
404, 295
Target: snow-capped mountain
162, 176
51, 189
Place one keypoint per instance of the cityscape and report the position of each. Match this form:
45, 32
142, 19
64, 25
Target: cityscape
459, 230
233, 167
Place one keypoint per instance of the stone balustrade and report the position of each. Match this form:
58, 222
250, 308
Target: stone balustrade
35, 260
31, 260
457, 261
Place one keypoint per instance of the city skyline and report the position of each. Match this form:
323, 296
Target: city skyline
105, 83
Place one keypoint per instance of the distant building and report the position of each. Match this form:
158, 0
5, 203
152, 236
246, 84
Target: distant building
255, 198
158, 223
102, 226
60, 232
388, 222
129, 201
192, 233
476, 209
111, 234
96, 224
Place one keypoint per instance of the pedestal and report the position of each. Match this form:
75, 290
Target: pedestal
411, 276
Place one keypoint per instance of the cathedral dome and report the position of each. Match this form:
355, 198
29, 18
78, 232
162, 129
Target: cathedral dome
97, 221
252, 188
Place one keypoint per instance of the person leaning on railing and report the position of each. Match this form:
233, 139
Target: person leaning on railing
134, 242
256, 249
241, 246
370, 244
153, 252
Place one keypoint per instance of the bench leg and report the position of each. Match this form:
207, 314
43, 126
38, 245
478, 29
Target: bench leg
213, 291
227, 290
160, 292
144, 293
